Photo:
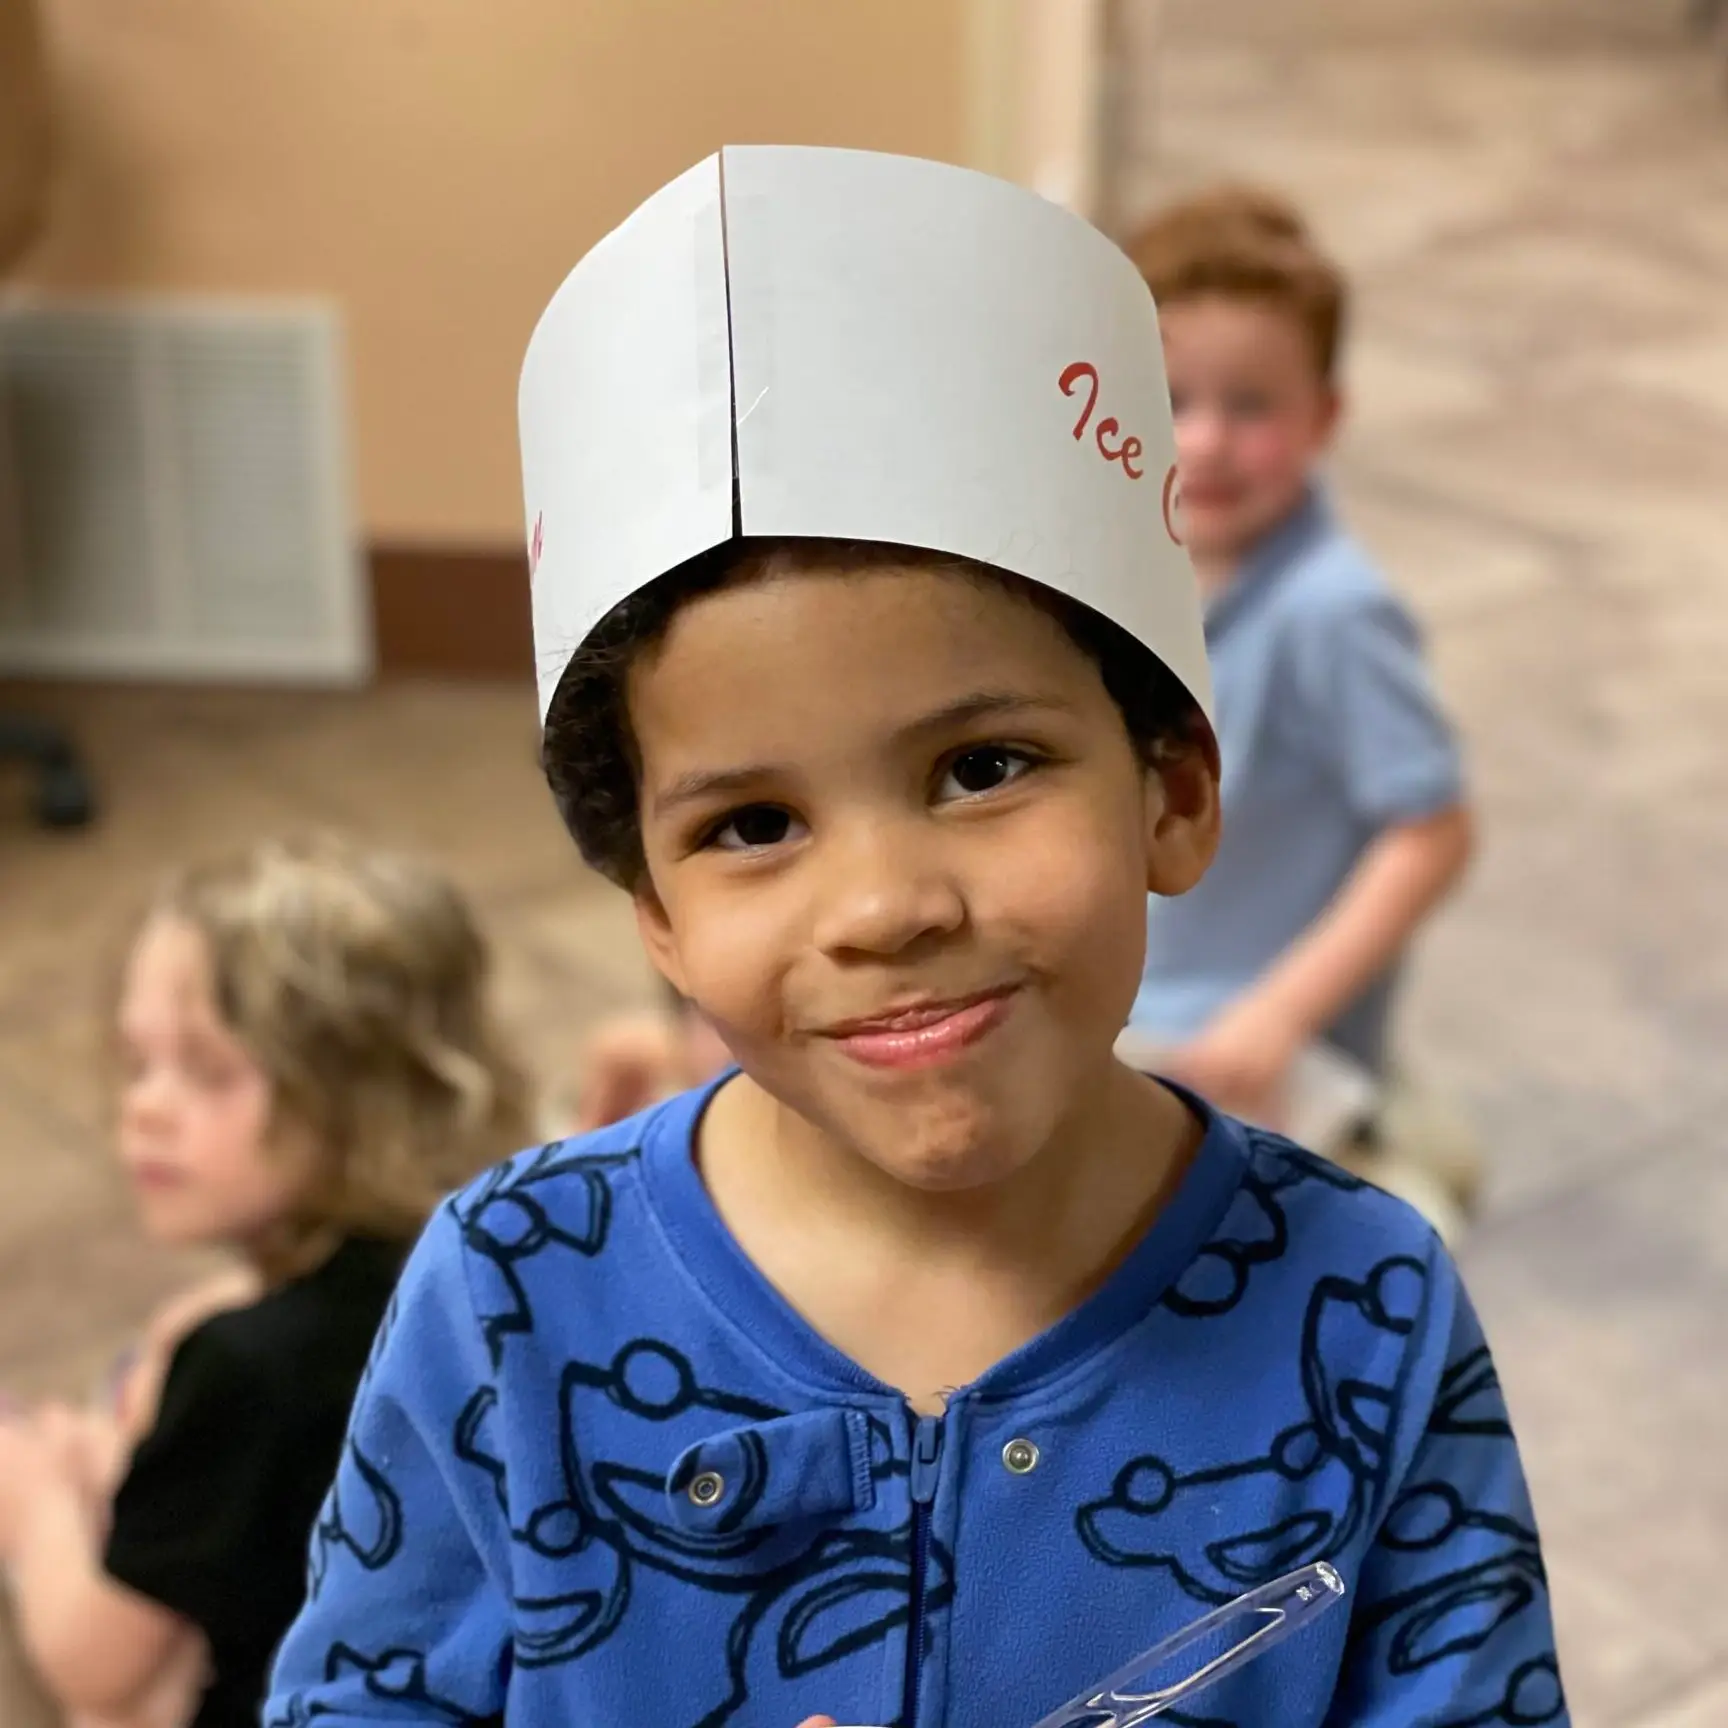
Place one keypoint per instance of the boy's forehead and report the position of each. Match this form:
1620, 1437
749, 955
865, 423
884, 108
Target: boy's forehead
1241, 333
870, 655
1239, 320
833, 344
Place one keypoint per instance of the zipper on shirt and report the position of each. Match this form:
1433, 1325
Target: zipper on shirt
926, 1456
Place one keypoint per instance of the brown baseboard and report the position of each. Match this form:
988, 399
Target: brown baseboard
452, 612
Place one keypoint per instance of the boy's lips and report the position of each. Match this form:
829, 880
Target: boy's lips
156, 1176
1219, 495
919, 1034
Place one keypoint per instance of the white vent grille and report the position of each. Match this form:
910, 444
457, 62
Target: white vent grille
178, 494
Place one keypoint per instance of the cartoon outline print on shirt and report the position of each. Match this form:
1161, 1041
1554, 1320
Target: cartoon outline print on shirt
380, 1340
1472, 1376
1255, 1230
1443, 1618
1532, 1696
397, 1676
333, 1530
836, 1579
603, 1529
1341, 1452
467, 1445
504, 1224
1457, 1613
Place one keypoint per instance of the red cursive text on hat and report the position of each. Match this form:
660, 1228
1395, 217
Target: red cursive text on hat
1129, 450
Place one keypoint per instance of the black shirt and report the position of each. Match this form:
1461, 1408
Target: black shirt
215, 1515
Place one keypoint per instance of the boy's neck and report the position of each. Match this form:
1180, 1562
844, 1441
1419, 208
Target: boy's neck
1214, 572
927, 1291
1217, 567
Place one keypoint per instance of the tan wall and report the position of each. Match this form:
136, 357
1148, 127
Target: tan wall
23, 128
439, 164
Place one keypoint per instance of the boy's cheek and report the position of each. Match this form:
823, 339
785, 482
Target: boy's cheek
1274, 455
1073, 911
734, 960
1060, 900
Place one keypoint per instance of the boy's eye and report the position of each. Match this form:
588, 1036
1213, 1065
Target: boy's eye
208, 1069
753, 827
983, 770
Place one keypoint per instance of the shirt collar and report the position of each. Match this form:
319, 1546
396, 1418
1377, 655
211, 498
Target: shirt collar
1311, 521
737, 1289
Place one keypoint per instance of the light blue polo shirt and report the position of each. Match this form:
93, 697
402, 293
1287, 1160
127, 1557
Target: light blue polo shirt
1330, 733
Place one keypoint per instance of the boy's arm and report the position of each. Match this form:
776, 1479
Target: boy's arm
1242, 1057
1364, 703
630, 1063
1450, 1616
1407, 870
408, 1610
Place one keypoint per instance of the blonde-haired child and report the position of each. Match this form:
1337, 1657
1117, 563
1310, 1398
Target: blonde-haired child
308, 1063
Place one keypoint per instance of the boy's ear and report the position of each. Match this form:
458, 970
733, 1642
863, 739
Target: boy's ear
1184, 816
656, 931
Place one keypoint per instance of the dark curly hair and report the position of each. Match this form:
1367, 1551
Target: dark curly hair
589, 753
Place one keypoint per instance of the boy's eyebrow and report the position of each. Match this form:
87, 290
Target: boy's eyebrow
703, 783
980, 705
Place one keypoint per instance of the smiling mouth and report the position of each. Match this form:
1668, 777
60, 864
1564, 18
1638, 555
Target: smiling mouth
156, 1177
924, 1033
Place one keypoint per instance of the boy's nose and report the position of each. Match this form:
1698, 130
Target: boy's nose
882, 889
1200, 434
147, 1102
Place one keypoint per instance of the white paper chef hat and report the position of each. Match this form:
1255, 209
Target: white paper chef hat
840, 344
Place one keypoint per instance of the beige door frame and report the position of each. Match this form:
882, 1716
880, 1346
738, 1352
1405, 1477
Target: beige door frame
1037, 96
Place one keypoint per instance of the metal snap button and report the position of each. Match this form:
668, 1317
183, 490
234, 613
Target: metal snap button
706, 1489
1021, 1456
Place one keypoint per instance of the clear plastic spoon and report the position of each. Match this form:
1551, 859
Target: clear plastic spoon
1264, 1617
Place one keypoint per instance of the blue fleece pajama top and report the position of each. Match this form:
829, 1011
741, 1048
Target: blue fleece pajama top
600, 1475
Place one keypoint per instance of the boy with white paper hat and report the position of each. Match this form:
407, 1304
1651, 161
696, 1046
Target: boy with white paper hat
933, 1364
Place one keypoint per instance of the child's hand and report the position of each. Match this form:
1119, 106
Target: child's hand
27, 1469
629, 1064
54, 1448
87, 1449
1241, 1062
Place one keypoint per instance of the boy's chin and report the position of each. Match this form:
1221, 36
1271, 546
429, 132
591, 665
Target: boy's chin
167, 1227
1222, 540
950, 1148
1228, 535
